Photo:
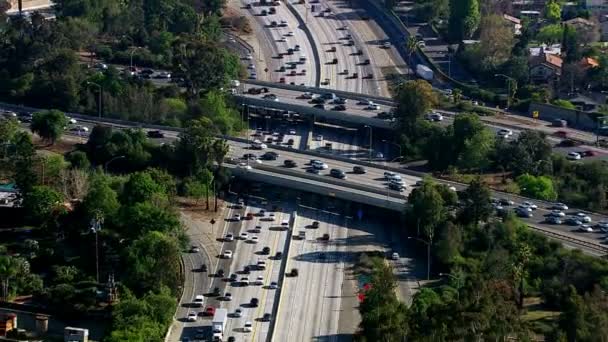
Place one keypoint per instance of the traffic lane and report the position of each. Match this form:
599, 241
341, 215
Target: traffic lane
344, 142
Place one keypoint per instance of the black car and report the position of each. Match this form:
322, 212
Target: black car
266, 317
216, 291
337, 173
290, 163
220, 273
340, 108
290, 142
254, 302
270, 156
246, 270
359, 169
318, 100
319, 106
315, 224
155, 134
203, 268
278, 255
340, 100
266, 250
233, 277
250, 156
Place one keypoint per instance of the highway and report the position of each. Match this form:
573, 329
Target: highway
311, 302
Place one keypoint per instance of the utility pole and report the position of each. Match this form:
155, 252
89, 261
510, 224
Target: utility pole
96, 223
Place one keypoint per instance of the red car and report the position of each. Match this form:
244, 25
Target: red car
561, 134
209, 311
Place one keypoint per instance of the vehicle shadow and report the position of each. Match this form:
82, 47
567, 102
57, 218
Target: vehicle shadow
334, 338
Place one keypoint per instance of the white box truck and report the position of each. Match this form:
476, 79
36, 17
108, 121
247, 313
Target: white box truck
219, 323
424, 72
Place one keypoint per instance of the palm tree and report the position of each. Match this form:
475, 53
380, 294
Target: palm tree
411, 44
8, 269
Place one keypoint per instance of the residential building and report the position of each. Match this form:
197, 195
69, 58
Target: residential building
545, 68
71, 334
587, 30
515, 22
554, 49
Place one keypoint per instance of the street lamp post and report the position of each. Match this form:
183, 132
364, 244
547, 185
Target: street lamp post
458, 283
370, 142
428, 255
96, 223
508, 79
99, 99
105, 166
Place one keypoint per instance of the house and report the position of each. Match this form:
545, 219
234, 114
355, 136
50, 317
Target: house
515, 22
587, 30
587, 63
553, 49
545, 68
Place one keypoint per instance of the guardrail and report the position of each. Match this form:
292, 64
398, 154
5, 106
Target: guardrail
311, 40
583, 243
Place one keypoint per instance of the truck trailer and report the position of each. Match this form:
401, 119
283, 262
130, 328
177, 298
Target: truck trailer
219, 323
424, 72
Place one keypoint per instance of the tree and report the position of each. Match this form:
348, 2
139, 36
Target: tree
550, 34
571, 44
78, 160
553, 11
414, 99
195, 188
8, 270
193, 152
144, 217
540, 187
563, 103
476, 202
464, 18
22, 160
496, 41
530, 153
426, 208
49, 124
8, 130
153, 262
101, 198
42, 204
140, 188
411, 45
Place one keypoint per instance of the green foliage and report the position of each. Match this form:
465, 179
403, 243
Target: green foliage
563, 103
140, 187
49, 124
144, 217
464, 18
78, 160
476, 202
8, 130
414, 99
426, 208
153, 262
529, 153
553, 11
571, 44
42, 204
550, 34
101, 198
22, 161
432, 10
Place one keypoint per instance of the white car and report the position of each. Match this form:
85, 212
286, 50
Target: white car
244, 236
228, 254
452, 188
259, 281
524, 208
238, 313
289, 34
229, 237
198, 300
237, 217
397, 182
247, 327
273, 285
573, 156
391, 176
228, 296
584, 217
395, 256
434, 117
292, 131
586, 228
192, 316
373, 106
318, 137
80, 129
251, 66
307, 95
71, 121
504, 133
530, 205
558, 213
560, 206
244, 166
386, 45
282, 40
254, 239
249, 57
317, 164
245, 281
270, 217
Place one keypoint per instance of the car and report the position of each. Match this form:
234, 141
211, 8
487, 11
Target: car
254, 239
574, 221
270, 217
524, 208
266, 250
244, 236
254, 302
233, 277
80, 129
553, 220
307, 96
198, 300
337, 173
325, 237
259, 280
557, 213
386, 45
244, 166
278, 255
319, 165
584, 217
270, 156
315, 224
522, 212
319, 106
203, 268
359, 170
163, 74
372, 107
293, 273
504, 133
250, 156
560, 206
231, 338
228, 254
586, 228
289, 163
530, 205
236, 217
220, 273
227, 296
292, 131
195, 249
397, 181
505, 201
388, 175
395, 256
271, 97
340, 101
313, 170
244, 281
266, 317
603, 225
282, 40
434, 117
238, 312
452, 188
192, 317
396, 187
573, 156
289, 34
290, 142
248, 327
257, 229
339, 108
273, 285
229, 237
209, 311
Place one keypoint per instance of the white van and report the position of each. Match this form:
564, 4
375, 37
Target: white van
285, 223
198, 300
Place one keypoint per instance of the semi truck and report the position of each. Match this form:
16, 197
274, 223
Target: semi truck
219, 323
424, 72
